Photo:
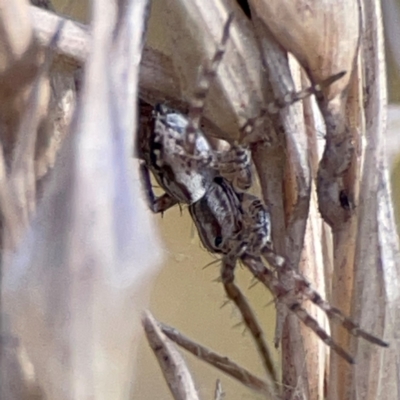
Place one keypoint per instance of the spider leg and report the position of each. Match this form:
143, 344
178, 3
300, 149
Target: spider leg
335, 313
303, 286
250, 320
258, 229
281, 315
235, 166
292, 97
156, 204
257, 268
206, 75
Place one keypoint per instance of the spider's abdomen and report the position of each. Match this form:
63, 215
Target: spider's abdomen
218, 216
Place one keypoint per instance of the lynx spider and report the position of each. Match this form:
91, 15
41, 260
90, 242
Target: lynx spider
234, 224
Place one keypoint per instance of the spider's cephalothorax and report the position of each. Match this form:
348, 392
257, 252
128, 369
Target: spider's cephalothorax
184, 178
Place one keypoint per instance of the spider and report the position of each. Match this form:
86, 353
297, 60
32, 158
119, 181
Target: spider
213, 205
178, 154
230, 222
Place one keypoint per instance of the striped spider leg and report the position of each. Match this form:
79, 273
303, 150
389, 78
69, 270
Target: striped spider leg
235, 164
144, 152
257, 225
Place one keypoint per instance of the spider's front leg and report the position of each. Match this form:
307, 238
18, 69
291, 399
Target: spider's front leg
156, 204
290, 98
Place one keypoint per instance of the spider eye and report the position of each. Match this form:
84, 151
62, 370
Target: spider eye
218, 241
160, 108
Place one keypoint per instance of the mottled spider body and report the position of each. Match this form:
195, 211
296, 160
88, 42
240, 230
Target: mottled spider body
184, 179
218, 216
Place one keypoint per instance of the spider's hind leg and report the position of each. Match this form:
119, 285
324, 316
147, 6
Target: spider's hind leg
234, 293
303, 288
289, 298
235, 165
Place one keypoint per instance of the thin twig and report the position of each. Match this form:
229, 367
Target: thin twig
218, 361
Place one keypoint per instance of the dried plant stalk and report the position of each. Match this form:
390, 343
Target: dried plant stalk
340, 169
23, 102
285, 178
20, 61
377, 259
68, 287
323, 36
220, 362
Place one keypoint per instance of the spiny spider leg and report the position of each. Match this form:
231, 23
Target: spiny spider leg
235, 166
303, 287
258, 269
292, 97
250, 320
156, 204
258, 225
206, 75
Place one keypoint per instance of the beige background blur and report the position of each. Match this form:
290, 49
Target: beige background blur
185, 295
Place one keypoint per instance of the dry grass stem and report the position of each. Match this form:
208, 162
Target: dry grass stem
222, 363
72, 277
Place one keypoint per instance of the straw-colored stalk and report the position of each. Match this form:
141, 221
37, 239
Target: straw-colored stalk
78, 255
